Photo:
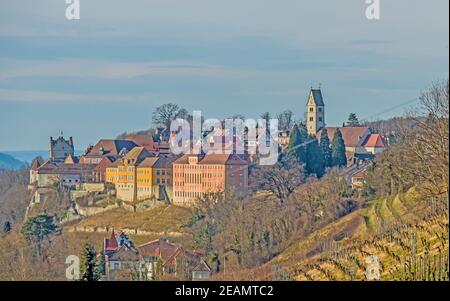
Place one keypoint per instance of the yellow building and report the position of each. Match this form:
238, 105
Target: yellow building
315, 112
140, 176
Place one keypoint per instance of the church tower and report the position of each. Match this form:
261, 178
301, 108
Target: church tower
315, 112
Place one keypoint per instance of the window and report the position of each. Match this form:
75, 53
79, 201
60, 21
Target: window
311, 118
311, 109
320, 118
320, 109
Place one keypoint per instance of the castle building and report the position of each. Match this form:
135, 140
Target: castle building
60, 149
315, 112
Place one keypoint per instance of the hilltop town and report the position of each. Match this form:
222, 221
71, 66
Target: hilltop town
139, 173
140, 167
337, 200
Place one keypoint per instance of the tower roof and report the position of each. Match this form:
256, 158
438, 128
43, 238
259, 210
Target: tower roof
317, 97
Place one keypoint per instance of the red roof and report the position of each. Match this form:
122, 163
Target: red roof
104, 163
352, 135
374, 140
111, 243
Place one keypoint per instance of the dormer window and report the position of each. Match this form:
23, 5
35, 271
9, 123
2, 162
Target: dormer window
193, 160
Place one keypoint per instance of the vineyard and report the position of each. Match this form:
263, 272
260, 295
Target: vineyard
402, 238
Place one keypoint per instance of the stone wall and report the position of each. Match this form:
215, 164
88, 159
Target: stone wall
128, 231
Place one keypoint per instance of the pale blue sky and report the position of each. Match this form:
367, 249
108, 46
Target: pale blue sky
105, 73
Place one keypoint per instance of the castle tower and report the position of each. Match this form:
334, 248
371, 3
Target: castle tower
315, 112
60, 149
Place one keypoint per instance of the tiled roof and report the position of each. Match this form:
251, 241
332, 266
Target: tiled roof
148, 162
53, 168
143, 140
104, 163
110, 244
158, 247
37, 163
110, 147
164, 161
137, 154
352, 135
125, 254
215, 159
374, 140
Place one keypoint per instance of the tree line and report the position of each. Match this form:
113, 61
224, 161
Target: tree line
316, 155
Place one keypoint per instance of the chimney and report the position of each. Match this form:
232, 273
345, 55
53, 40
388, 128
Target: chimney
71, 141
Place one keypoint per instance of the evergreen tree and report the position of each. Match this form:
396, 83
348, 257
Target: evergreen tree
314, 158
297, 143
90, 270
352, 120
338, 156
6, 227
36, 229
325, 147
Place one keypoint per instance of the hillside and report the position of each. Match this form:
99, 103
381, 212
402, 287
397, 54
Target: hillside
409, 235
162, 221
14, 196
8, 162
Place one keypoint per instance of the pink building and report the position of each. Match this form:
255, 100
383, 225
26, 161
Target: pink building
197, 175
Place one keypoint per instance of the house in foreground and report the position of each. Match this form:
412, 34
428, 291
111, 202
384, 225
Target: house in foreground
152, 260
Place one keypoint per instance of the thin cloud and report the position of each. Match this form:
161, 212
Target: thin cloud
116, 70
48, 97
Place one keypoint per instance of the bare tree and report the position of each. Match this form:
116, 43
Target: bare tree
165, 114
281, 179
285, 120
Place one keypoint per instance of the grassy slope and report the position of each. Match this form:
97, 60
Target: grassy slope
166, 218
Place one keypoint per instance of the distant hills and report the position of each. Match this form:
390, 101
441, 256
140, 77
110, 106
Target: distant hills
29, 155
10, 163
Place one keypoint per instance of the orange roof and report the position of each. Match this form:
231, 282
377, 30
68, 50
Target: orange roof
352, 135
374, 140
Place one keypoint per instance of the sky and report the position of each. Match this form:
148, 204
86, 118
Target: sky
104, 74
